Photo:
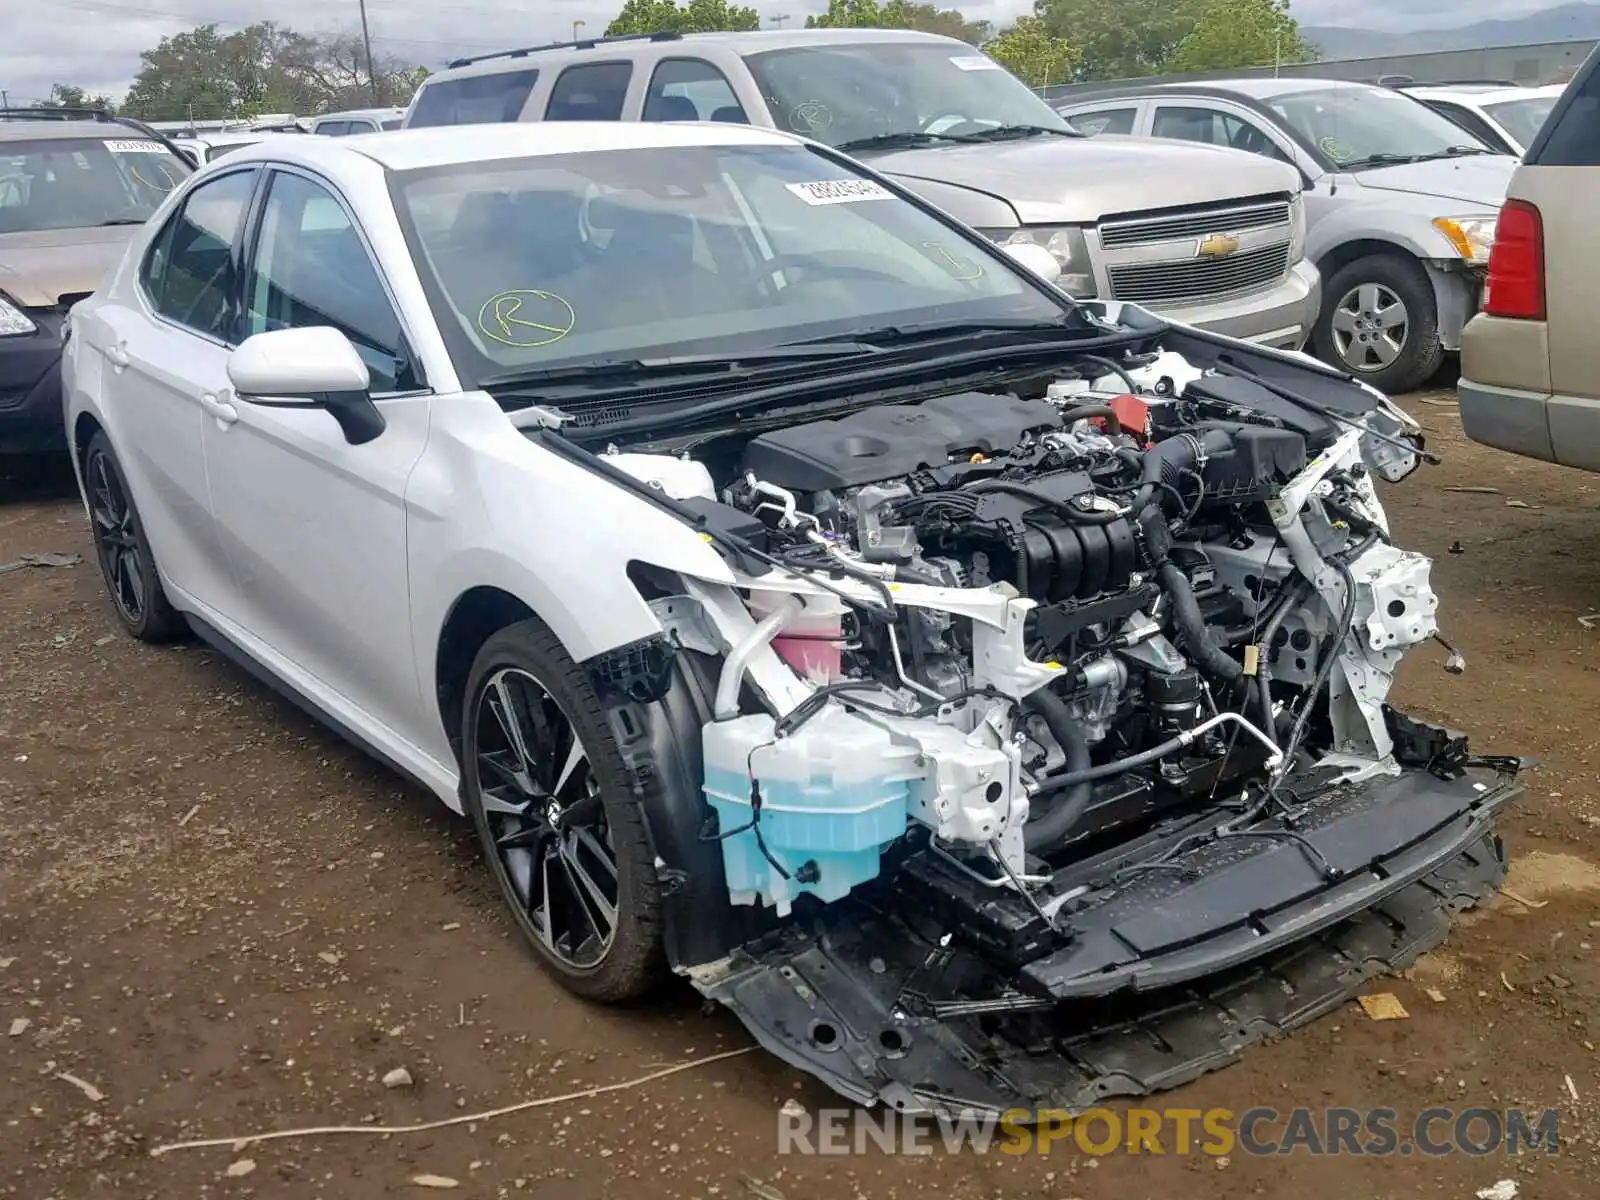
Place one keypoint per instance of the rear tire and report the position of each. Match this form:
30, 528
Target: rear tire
557, 820
1380, 322
126, 561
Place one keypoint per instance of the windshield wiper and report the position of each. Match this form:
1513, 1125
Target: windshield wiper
1009, 133
1453, 152
901, 140
1379, 160
888, 335
725, 365
123, 221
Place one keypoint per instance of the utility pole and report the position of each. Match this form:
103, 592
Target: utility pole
778, 19
366, 44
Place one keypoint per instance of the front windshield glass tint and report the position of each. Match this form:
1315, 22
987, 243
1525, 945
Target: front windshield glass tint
75, 183
1522, 119
1357, 125
843, 93
685, 250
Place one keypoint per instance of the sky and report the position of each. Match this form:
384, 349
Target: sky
95, 44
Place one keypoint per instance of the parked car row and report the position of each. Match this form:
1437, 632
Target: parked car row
1351, 219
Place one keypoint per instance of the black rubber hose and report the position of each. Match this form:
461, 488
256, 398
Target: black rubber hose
1110, 368
1073, 779
1186, 615
1293, 591
1066, 512
1085, 411
1051, 828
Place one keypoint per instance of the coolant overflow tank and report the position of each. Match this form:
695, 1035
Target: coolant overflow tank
833, 795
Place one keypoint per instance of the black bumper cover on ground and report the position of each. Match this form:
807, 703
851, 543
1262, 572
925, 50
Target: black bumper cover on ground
1170, 977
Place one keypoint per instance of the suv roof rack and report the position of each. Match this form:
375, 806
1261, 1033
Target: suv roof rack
665, 35
98, 115
1509, 83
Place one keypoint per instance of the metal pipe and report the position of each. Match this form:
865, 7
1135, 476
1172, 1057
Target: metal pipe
738, 660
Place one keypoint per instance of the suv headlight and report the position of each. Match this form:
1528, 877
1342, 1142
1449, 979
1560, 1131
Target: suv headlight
1067, 246
13, 321
1470, 237
1297, 228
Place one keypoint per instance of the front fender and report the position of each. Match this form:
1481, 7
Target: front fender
1372, 221
487, 507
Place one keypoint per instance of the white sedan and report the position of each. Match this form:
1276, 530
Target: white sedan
787, 582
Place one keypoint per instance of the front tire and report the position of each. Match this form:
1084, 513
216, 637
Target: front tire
559, 826
1380, 322
126, 561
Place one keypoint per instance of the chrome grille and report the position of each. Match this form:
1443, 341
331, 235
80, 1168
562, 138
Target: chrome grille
1199, 279
1116, 234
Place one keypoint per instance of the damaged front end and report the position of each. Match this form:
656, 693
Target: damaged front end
1044, 739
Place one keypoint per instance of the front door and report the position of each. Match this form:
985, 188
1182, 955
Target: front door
316, 527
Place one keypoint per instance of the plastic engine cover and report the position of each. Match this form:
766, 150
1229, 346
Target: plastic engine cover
833, 794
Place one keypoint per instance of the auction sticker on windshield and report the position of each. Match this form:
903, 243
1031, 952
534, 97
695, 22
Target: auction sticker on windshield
840, 191
975, 62
136, 147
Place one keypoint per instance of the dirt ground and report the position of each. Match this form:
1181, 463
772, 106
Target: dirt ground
217, 919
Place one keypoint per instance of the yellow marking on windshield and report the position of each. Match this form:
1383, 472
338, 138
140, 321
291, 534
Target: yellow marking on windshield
526, 318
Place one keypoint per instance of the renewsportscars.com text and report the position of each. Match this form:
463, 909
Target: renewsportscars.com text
1215, 1132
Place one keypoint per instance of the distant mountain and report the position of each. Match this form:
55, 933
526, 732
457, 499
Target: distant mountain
1569, 22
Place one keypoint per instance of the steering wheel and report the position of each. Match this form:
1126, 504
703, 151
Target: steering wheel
947, 122
755, 288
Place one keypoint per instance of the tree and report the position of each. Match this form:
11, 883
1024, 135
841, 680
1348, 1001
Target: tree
1242, 33
201, 75
65, 96
1033, 54
665, 16
899, 14
1120, 40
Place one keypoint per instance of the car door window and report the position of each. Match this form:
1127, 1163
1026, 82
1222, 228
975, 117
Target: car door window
334, 128
592, 92
361, 127
691, 89
311, 268
1215, 128
475, 100
189, 273
1106, 120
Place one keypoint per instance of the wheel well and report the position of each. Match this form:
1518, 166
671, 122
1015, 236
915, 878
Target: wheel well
83, 431
477, 615
1347, 253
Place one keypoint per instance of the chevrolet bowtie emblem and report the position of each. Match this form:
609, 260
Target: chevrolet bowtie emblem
1218, 245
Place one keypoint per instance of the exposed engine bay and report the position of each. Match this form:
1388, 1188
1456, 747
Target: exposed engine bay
1053, 713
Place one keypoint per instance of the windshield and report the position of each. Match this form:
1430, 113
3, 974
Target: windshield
1522, 119
1366, 127
74, 183
843, 93
628, 254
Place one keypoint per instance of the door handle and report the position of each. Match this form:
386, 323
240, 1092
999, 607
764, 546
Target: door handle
117, 356
224, 412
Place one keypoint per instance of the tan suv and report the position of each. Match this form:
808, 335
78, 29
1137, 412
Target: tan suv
1530, 362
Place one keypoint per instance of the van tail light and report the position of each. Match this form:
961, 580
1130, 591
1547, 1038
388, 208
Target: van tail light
1516, 264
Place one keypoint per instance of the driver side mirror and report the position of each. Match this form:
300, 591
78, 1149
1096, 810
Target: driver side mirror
311, 367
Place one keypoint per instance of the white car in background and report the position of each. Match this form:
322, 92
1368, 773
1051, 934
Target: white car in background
1503, 116
795, 591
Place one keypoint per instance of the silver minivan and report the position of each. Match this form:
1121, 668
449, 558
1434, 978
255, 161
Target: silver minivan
1400, 202
1207, 236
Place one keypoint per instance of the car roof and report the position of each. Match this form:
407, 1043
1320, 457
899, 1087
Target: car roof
55, 131
1253, 89
742, 42
447, 145
349, 113
1482, 93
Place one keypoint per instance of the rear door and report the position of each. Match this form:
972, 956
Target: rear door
1561, 178
168, 358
